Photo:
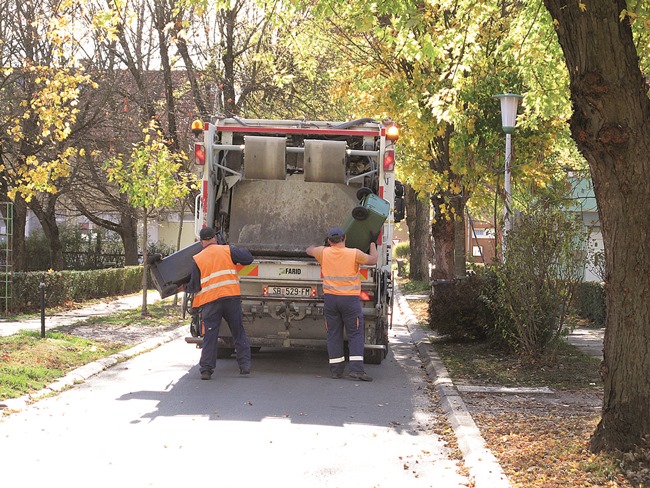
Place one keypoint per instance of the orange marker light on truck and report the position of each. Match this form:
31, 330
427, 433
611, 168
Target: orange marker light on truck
197, 127
392, 132
199, 154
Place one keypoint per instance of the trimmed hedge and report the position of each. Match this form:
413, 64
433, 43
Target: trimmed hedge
589, 302
64, 286
458, 309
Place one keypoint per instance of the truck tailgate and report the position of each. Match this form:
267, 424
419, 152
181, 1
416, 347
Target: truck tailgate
284, 217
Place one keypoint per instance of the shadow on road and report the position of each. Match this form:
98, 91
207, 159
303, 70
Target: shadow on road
293, 385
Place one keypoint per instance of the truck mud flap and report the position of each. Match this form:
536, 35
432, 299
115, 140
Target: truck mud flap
374, 353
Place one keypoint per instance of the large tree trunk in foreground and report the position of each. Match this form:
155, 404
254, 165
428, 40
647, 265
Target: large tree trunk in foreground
611, 125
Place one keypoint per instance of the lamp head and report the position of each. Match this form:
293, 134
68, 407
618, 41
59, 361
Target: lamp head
509, 103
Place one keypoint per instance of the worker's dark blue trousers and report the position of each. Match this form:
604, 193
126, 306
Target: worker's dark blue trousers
344, 312
211, 314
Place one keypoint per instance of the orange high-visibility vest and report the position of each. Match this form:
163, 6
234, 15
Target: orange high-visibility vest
340, 271
219, 277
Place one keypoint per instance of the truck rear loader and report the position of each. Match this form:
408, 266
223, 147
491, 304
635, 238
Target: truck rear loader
275, 187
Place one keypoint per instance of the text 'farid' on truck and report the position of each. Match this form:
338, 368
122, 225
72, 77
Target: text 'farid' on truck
275, 187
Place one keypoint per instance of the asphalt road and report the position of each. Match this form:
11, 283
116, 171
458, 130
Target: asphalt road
151, 421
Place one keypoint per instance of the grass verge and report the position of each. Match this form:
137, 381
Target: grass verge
28, 362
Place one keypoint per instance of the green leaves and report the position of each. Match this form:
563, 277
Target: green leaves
152, 176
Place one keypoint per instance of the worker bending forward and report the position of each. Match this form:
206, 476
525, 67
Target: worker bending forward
342, 290
215, 284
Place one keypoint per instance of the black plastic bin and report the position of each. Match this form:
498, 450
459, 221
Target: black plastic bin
171, 272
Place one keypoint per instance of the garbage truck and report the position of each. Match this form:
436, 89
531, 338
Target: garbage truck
275, 187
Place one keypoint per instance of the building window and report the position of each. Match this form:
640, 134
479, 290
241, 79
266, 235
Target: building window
484, 233
477, 250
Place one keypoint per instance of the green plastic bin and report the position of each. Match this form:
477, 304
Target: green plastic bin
366, 221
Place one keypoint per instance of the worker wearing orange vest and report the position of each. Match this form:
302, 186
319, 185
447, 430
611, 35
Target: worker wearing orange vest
215, 284
342, 305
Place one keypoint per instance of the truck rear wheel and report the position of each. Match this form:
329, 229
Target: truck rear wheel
373, 356
376, 356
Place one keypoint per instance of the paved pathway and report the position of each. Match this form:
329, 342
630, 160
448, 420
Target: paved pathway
590, 341
106, 307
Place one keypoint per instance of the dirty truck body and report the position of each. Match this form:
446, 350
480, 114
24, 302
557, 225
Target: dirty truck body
275, 187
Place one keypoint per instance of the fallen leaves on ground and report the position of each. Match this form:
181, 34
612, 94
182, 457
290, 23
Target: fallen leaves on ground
540, 440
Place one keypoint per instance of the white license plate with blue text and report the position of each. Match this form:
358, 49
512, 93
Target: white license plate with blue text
289, 291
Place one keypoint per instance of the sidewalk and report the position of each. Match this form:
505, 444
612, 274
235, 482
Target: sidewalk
589, 341
52, 320
485, 470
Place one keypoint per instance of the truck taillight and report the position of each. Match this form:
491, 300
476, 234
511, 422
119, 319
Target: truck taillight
366, 296
199, 153
389, 160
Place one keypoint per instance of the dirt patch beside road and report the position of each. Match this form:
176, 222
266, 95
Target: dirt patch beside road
129, 335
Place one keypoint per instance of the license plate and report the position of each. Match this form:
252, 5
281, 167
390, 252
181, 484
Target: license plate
289, 291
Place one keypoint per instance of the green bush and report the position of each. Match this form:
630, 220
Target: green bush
589, 302
64, 286
544, 261
160, 248
402, 250
82, 250
457, 308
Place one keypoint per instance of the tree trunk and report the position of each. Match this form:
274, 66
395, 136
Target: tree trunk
18, 249
145, 264
228, 59
46, 213
417, 221
460, 251
129, 234
179, 236
610, 127
443, 233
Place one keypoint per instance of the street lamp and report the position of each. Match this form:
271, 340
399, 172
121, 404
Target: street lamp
509, 102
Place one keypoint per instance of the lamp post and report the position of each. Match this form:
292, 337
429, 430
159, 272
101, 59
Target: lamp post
509, 102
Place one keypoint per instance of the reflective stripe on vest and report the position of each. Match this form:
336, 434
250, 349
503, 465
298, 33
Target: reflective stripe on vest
341, 271
219, 277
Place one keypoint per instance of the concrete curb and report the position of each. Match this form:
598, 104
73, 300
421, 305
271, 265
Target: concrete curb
84, 372
484, 468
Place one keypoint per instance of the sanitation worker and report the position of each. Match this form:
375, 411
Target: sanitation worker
342, 289
215, 284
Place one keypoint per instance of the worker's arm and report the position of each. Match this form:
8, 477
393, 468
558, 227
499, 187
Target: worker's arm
372, 254
314, 250
240, 256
